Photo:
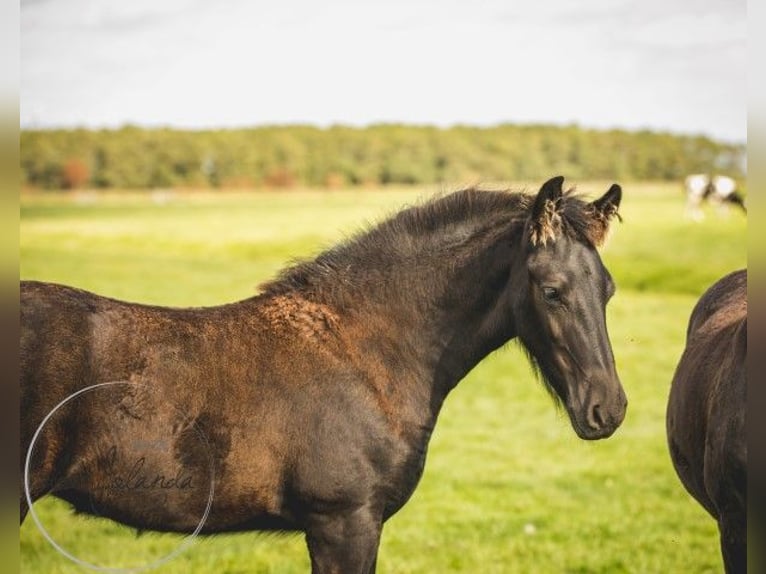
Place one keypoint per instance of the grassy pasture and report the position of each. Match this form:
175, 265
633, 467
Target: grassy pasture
508, 487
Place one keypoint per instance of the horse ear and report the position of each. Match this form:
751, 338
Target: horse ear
610, 201
544, 219
604, 208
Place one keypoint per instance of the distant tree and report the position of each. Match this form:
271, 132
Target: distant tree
138, 158
74, 173
280, 177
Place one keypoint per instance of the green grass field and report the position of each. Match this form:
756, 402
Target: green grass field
508, 487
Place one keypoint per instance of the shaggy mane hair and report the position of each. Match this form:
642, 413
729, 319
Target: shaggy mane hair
445, 226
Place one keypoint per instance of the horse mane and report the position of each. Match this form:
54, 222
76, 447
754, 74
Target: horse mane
442, 226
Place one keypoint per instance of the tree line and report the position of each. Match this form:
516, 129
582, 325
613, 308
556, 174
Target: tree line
286, 156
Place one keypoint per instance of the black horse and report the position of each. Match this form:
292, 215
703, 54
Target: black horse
309, 407
706, 413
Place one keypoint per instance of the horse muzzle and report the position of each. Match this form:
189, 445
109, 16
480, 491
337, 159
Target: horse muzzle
596, 418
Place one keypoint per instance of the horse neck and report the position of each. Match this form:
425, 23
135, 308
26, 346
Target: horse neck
439, 316
477, 315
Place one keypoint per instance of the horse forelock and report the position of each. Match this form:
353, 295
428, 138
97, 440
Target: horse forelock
548, 227
572, 217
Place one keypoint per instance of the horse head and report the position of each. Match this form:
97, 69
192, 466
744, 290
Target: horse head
561, 291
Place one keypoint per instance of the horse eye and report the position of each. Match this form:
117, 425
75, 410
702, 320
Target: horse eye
551, 294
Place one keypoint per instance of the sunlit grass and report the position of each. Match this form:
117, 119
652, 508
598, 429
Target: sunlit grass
508, 487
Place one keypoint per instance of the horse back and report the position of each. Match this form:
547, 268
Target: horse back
725, 302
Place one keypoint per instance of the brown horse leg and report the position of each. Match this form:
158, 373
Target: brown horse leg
345, 543
733, 531
41, 474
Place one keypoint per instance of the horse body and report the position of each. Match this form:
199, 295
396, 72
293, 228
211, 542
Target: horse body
706, 412
309, 407
294, 359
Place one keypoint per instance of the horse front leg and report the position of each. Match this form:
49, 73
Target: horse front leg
733, 531
344, 542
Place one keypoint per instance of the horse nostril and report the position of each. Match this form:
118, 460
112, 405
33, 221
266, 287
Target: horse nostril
596, 420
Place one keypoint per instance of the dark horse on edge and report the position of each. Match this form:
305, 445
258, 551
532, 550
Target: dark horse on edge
706, 413
309, 407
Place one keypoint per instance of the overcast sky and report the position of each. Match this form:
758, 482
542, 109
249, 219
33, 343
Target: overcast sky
671, 65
